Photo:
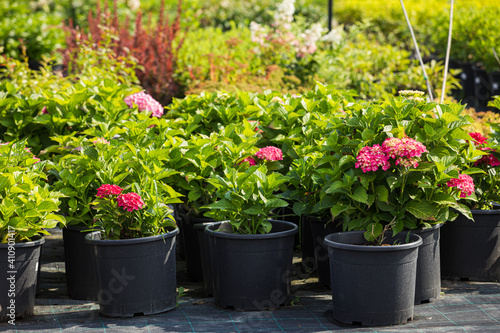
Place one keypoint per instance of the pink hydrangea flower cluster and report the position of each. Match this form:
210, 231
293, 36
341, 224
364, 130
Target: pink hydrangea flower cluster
130, 201
144, 102
487, 159
404, 150
107, 190
270, 153
478, 138
100, 140
464, 183
250, 161
371, 158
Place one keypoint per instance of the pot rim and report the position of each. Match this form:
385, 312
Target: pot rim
363, 248
431, 228
202, 225
292, 231
90, 240
39, 240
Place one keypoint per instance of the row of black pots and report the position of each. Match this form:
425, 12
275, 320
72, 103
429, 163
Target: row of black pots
478, 85
457, 261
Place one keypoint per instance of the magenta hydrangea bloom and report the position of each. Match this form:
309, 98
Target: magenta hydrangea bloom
144, 102
107, 190
464, 183
250, 161
44, 110
405, 147
488, 159
371, 158
130, 201
270, 153
478, 138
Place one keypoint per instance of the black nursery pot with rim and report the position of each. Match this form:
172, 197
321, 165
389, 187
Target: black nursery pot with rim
18, 282
428, 283
470, 250
80, 277
135, 276
372, 285
252, 272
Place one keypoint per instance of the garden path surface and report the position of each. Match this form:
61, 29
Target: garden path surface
462, 307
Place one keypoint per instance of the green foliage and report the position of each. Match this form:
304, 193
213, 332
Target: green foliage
27, 30
75, 109
27, 205
86, 164
403, 196
247, 197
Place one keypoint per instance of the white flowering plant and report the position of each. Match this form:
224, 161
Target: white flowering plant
288, 43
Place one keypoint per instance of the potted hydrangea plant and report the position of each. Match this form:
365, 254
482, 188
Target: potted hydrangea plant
396, 165
134, 251
28, 208
246, 247
478, 260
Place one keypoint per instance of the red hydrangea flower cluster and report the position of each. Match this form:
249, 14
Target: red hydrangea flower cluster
404, 150
107, 190
478, 138
130, 201
464, 183
370, 158
487, 159
145, 103
270, 153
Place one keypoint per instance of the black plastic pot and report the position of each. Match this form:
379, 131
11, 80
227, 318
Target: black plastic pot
80, 277
372, 285
206, 262
470, 250
18, 283
134, 276
287, 214
428, 283
252, 272
495, 83
320, 229
467, 79
194, 271
482, 85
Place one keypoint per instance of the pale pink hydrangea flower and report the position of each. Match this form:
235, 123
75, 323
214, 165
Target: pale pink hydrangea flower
277, 99
100, 140
404, 150
464, 183
405, 147
130, 201
270, 153
144, 102
371, 158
